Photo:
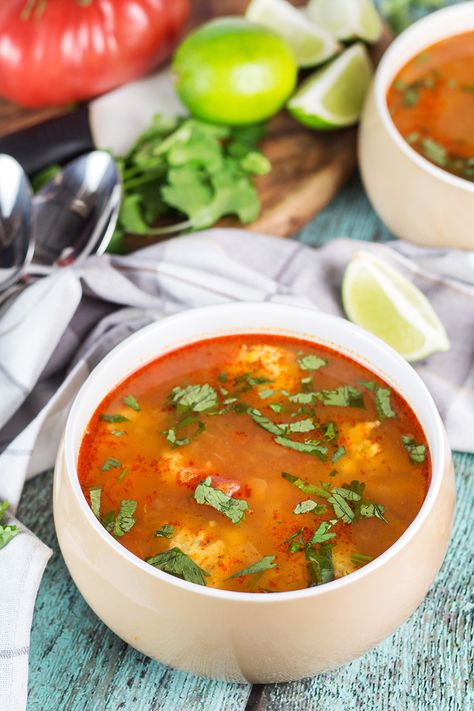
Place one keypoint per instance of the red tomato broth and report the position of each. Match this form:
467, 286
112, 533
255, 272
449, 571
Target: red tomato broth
244, 461
431, 101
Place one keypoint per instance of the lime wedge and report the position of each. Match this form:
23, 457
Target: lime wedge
347, 19
311, 45
333, 97
380, 299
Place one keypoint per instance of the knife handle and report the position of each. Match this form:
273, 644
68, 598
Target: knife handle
56, 140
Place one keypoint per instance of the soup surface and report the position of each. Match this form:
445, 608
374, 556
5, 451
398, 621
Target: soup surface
255, 464
431, 102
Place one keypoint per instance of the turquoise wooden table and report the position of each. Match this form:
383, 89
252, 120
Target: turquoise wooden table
77, 664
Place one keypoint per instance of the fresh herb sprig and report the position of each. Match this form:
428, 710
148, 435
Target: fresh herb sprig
7, 531
191, 173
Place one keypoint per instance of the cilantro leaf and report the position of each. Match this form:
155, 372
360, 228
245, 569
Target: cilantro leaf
276, 407
383, 404
306, 425
319, 563
330, 431
7, 531
108, 520
311, 362
343, 396
95, 494
177, 563
305, 486
131, 402
124, 521
342, 509
260, 566
309, 505
360, 559
197, 398
165, 531
172, 437
416, 452
110, 463
310, 446
264, 422
234, 509
369, 509
340, 452
265, 393
118, 433
323, 533
114, 418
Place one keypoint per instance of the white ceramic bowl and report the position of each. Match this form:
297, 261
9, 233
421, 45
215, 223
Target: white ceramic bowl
417, 200
244, 636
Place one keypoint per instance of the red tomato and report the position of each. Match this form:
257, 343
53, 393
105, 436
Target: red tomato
59, 51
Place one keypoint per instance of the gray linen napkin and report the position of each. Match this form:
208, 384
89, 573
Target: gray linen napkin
59, 328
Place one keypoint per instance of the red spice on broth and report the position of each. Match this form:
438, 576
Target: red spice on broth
255, 463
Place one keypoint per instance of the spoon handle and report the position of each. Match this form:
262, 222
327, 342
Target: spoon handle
54, 141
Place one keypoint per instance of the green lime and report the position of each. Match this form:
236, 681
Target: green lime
311, 44
233, 71
347, 19
333, 97
377, 297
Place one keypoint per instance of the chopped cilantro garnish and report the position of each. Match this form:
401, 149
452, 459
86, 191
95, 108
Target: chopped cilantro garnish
264, 422
110, 463
260, 566
310, 446
323, 533
234, 509
383, 404
343, 396
114, 418
108, 520
266, 393
330, 431
194, 398
177, 563
311, 362
124, 521
416, 452
172, 436
361, 559
118, 433
341, 508
95, 494
340, 452
276, 407
305, 486
246, 381
309, 505
130, 401
7, 531
369, 384
319, 563
122, 474
306, 425
165, 531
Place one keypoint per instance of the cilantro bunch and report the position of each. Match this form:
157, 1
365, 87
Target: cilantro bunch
188, 174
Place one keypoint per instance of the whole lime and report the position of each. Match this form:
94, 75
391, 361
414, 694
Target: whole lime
234, 71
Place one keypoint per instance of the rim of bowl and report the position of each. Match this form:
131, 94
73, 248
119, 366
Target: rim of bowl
390, 65
70, 464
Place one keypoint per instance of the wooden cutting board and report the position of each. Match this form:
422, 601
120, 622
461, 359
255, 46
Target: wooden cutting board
308, 167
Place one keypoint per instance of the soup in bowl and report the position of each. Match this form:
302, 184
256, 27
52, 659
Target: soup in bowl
260, 500
416, 147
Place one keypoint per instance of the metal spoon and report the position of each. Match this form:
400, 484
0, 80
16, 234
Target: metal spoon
76, 213
16, 219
